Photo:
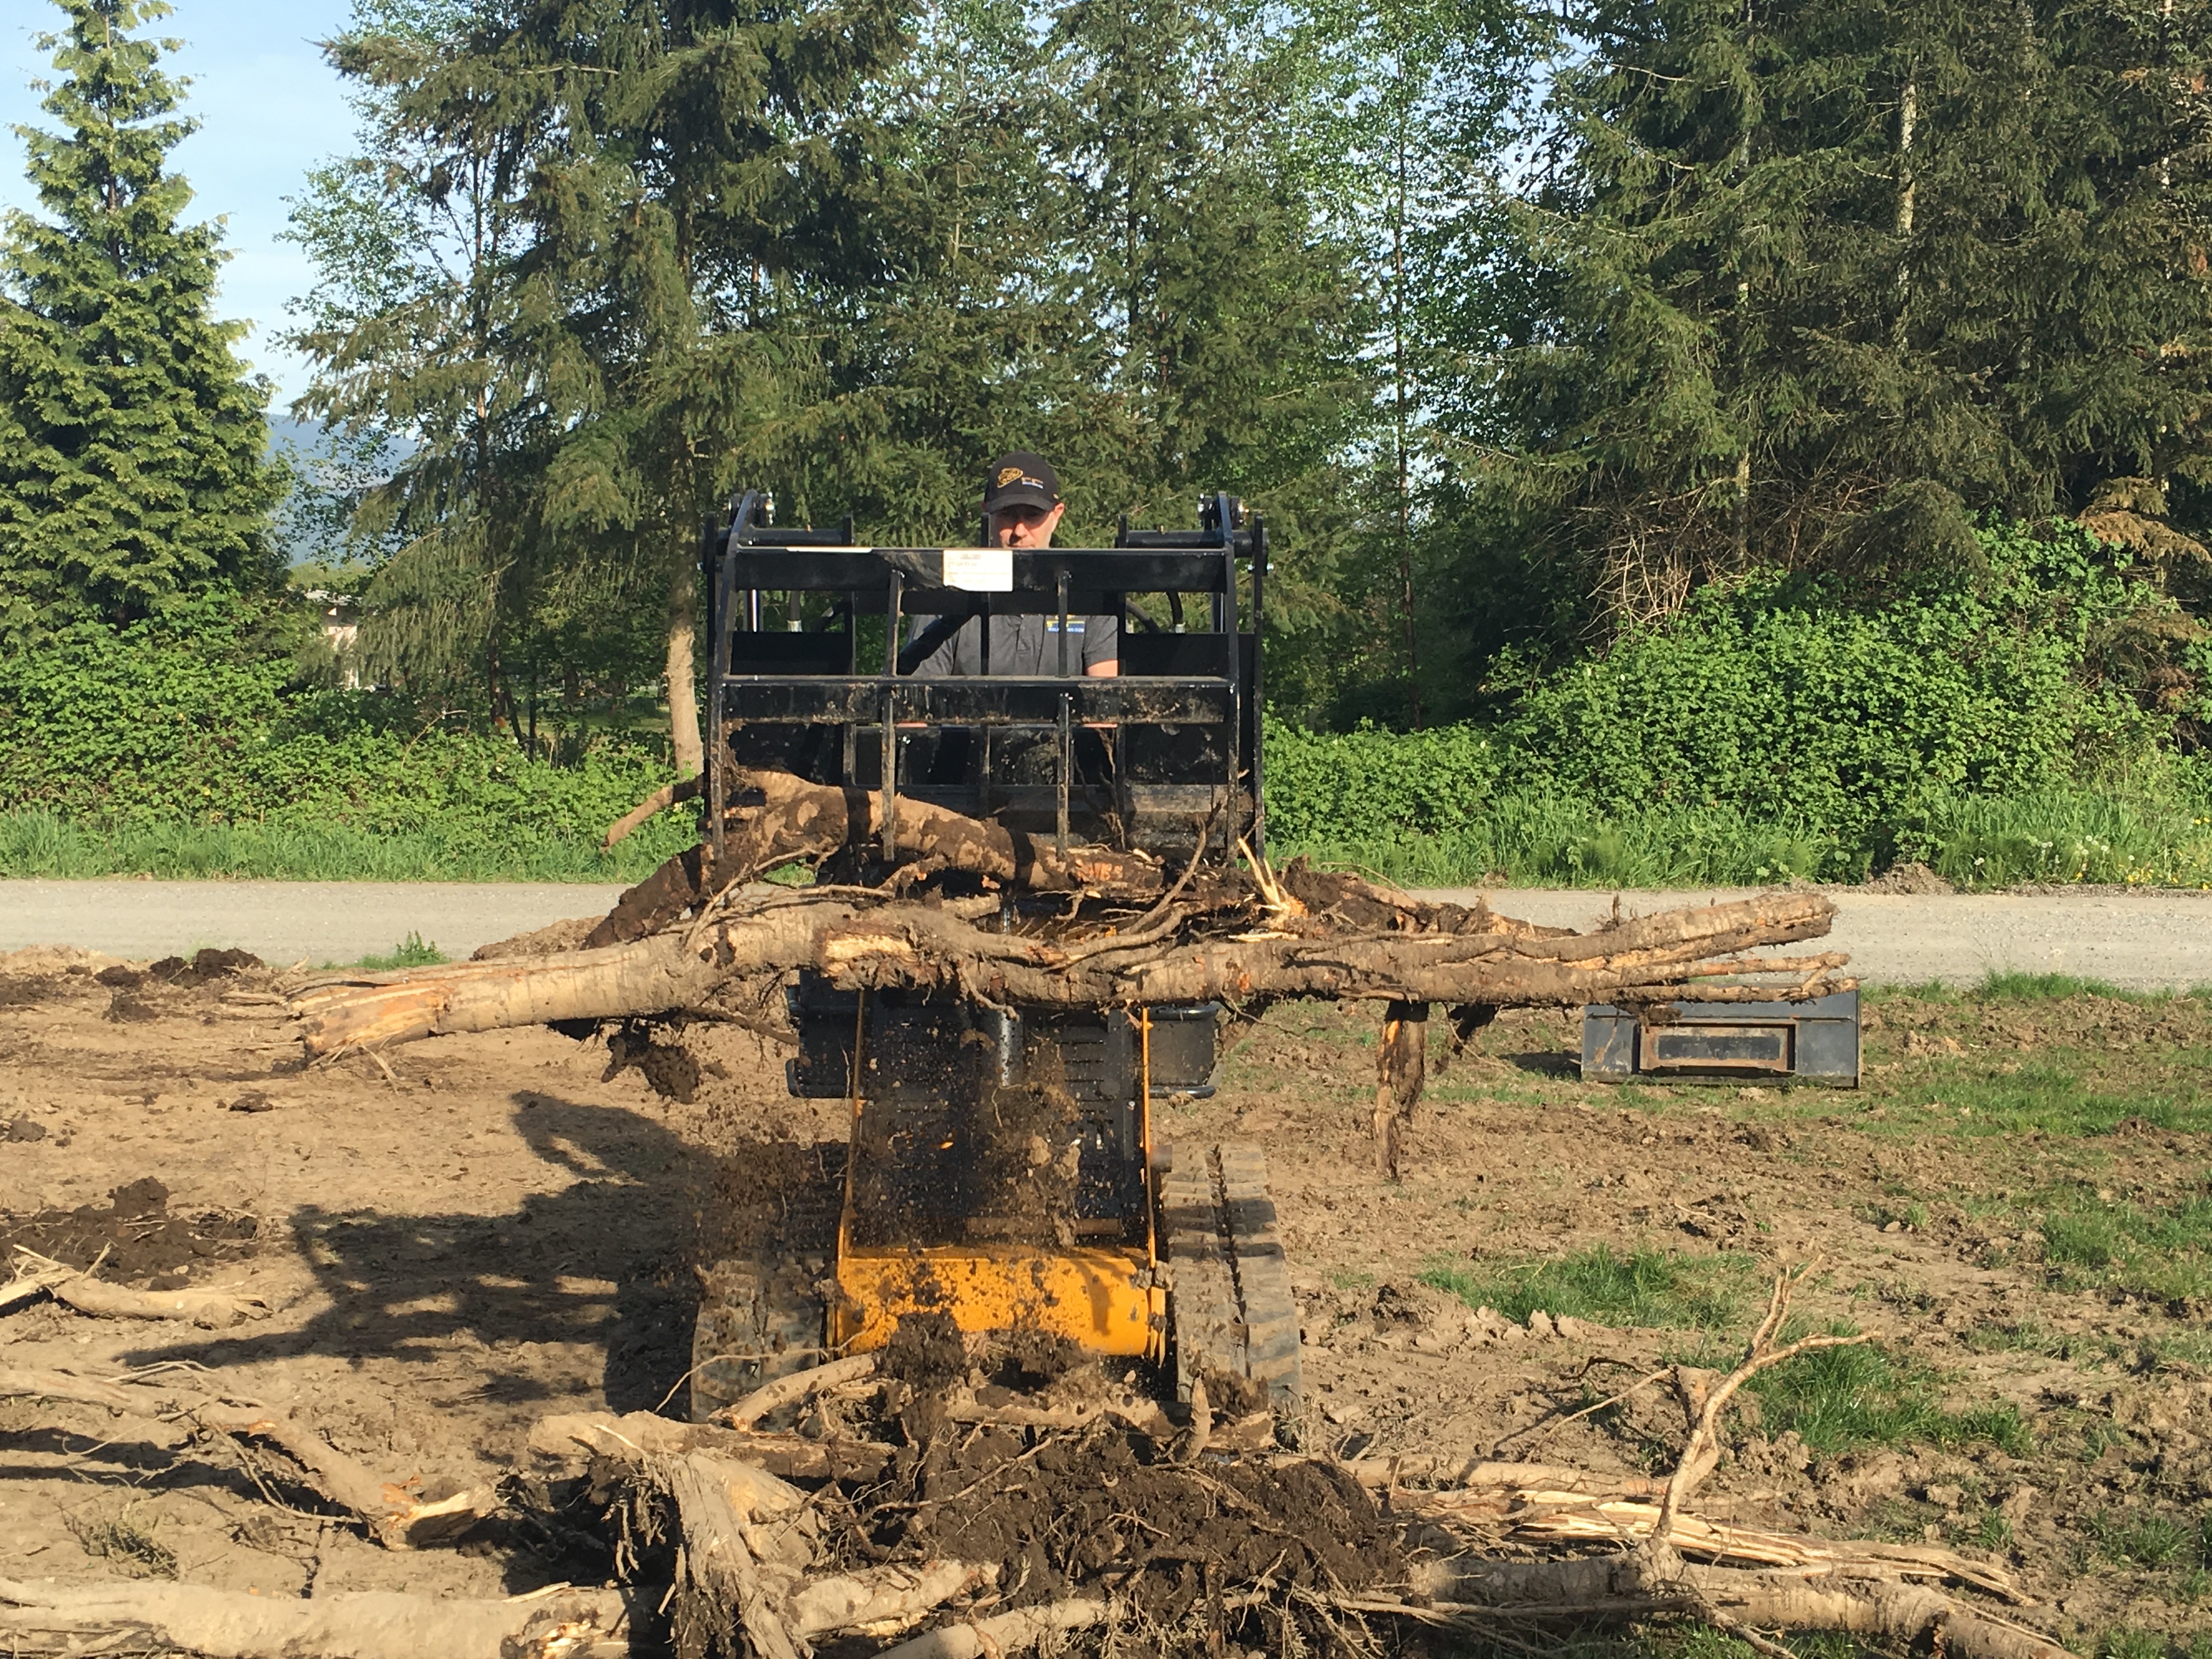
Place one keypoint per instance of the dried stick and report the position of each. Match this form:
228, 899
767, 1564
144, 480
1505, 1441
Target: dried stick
875, 1596
631, 1438
658, 801
797, 1386
208, 1307
1702, 1451
1009, 1632
398, 1521
1400, 1064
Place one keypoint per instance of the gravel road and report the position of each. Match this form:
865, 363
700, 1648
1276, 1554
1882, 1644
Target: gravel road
285, 921
2142, 940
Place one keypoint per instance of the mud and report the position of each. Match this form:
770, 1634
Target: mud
204, 967
1110, 1510
926, 1351
498, 1230
133, 1238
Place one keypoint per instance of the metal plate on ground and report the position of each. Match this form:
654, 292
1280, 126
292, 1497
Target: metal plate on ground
1816, 1040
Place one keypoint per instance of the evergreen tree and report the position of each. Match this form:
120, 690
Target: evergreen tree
1229, 314
411, 323
658, 169
1418, 103
1809, 285
133, 445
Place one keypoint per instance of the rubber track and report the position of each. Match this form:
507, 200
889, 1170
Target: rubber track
770, 1309
1233, 1310
1263, 1277
764, 1300
1208, 1321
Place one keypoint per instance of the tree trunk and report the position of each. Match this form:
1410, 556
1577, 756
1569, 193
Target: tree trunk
682, 694
1654, 1578
857, 946
46, 1618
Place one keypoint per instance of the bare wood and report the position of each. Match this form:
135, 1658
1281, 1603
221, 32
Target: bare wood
38, 1618
209, 1307
881, 1600
784, 1390
1442, 1471
775, 819
648, 976
720, 1586
657, 802
1703, 1452
781, 818
911, 945
632, 1437
1579, 1521
1632, 1582
1008, 1632
17, 1383
1401, 1067
30, 1287
1145, 1416
398, 1519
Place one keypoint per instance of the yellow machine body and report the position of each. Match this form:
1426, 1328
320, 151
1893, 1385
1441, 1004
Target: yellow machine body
1109, 1299
1105, 1300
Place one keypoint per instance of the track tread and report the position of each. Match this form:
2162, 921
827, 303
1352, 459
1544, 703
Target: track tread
772, 1309
1232, 1306
1270, 1308
1207, 1327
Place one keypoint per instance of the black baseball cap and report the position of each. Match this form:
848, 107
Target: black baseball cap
1021, 478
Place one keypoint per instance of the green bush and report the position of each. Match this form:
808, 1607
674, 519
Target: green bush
1781, 728
191, 720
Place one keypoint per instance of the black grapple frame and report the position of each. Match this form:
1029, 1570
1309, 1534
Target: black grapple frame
791, 692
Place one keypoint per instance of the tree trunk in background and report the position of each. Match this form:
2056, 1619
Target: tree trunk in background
682, 695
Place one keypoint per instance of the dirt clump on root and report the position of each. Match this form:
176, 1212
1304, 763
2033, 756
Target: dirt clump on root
1033, 1359
669, 1068
1110, 1510
926, 1351
134, 1237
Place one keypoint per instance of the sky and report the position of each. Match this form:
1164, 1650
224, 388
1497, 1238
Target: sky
269, 108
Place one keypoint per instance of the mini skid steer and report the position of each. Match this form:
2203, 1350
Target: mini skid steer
1004, 1166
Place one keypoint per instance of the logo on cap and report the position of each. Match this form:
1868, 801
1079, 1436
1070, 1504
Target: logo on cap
1007, 475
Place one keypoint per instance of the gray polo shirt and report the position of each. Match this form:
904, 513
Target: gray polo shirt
1023, 648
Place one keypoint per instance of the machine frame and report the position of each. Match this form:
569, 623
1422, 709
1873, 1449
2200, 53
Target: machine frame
1183, 762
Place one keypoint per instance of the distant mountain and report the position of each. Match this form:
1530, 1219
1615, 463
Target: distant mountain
330, 470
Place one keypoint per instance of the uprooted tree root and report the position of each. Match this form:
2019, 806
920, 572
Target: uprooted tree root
940, 1517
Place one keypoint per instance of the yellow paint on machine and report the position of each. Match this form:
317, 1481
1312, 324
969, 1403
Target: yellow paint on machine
1097, 1297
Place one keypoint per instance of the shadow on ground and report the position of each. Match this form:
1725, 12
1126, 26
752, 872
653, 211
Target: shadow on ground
604, 1261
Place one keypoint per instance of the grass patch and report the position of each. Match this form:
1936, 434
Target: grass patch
2165, 1253
1525, 838
2145, 1538
2015, 987
1644, 1287
41, 845
1840, 1399
2072, 1067
410, 952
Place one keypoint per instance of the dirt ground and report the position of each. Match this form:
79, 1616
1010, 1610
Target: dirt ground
486, 1230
